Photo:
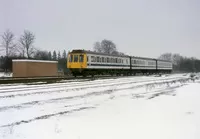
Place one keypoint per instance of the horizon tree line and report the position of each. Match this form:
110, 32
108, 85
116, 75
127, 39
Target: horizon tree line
23, 47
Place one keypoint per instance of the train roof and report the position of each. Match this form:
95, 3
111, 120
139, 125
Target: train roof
97, 53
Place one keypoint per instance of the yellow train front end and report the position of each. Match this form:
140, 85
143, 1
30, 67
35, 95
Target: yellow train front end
77, 62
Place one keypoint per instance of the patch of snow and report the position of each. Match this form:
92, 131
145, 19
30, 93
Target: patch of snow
28, 60
158, 111
3, 74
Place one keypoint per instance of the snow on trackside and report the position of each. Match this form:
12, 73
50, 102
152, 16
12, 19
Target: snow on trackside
28, 60
111, 112
3, 74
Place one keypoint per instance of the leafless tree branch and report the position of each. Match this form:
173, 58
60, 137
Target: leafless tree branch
8, 42
26, 41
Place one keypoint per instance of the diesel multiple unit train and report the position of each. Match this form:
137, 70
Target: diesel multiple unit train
82, 62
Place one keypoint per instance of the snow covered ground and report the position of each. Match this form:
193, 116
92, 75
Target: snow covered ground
131, 107
3, 74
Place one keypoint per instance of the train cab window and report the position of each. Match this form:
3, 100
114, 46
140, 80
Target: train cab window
75, 58
71, 58
81, 58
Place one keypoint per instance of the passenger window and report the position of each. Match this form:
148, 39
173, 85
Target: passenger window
112, 60
81, 58
102, 59
107, 60
70, 58
97, 59
75, 58
87, 58
93, 59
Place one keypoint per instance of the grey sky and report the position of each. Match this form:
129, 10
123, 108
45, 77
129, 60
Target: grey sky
141, 28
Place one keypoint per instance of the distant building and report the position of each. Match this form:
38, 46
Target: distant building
34, 68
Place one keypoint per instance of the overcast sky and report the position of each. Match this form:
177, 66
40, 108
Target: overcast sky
138, 27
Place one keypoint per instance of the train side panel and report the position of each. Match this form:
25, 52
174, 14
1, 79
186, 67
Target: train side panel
85, 63
164, 66
143, 65
107, 62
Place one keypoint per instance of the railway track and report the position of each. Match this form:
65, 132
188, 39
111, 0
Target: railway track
60, 98
11, 80
75, 85
57, 90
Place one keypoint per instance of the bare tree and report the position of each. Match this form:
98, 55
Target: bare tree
8, 42
26, 42
97, 47
166, 56
106, 46
176, 58
21, 50
41, 55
